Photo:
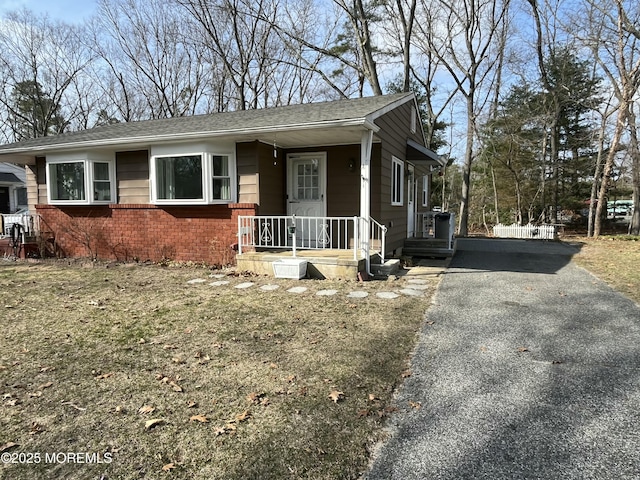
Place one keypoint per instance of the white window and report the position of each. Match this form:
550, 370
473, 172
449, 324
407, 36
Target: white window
397, 181
179, 178
80, 180
425, 190
192, 178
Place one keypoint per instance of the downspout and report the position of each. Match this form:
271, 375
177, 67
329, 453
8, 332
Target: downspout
366, 145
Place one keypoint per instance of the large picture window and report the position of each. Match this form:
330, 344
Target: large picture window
397, 181
179, 178
80, 181
192, 178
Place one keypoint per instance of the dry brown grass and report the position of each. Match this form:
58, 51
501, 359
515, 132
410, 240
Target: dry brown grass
614, 259
83, 349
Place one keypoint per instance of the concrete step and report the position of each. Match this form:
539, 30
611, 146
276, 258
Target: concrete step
389, 267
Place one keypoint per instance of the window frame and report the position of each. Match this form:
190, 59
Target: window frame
425, 190
397, 184
207, 176
88, 162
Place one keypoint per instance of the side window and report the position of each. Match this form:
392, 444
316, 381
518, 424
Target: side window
397, 181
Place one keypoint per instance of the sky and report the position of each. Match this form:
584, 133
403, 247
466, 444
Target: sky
67, 10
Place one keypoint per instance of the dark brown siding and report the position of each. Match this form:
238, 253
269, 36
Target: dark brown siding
247, 165
395, 129
41, 181
272, 181
132, 177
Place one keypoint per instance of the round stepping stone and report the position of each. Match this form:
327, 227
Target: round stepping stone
326, 293
245, 285
418, 287
196, 280
219, 283
297, 290
269, 287
217, 275
358, 294
417, 281
411, 292
387, 295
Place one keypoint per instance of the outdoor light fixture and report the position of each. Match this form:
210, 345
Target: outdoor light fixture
352, 164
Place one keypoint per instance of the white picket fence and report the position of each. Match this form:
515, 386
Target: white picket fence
540, 232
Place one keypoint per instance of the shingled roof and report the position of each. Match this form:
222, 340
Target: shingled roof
349, 112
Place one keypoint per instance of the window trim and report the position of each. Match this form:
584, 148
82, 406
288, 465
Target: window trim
207, 178
88, 161
397, 170
425, 190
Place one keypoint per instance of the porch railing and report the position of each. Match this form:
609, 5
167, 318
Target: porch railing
309, 233
26, 225
429, 225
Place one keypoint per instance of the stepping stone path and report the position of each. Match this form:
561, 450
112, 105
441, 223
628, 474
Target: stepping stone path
413, 287
326, 293
297, 290
358, 294
411, 292
387, 295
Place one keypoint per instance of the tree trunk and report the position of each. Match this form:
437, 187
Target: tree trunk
634, 150
463, 226
608, 166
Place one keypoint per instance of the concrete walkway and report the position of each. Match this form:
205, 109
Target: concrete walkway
530, 370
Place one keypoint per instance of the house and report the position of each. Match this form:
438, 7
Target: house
193, 188
13, 191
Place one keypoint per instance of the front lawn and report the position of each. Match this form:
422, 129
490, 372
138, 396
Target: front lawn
126, 372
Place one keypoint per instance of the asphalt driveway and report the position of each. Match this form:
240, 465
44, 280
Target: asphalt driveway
528, 367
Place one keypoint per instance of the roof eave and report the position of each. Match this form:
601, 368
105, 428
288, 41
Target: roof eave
153, 139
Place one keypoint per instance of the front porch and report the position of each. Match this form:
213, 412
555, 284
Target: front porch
337, 247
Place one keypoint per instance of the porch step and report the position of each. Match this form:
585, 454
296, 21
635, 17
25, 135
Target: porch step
389, 267
428, 247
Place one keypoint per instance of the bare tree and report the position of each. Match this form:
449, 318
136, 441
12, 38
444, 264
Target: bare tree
471, 32
40, 61
616, 47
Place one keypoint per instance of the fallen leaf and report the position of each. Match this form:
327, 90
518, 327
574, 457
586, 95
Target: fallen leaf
523, 349
219, 431
178, 360
264, 401
241, 417
119, 409
36, 428
175, 387
149, 424
45, 385
416, 405
430, 323
373, 398
198, 418
192, 404
336, 396
12, 403
168, 467
104, 375
145, 409
406, 373
35, 394
483, 348
170, 347
365, 412
254, 397
230, 427
8, 445
141, 341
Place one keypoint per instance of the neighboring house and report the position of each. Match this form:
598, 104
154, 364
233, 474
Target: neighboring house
176, 188
13, 191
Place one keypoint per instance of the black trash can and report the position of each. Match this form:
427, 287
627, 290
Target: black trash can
441, 225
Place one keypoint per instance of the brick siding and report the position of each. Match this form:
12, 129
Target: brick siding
146, 232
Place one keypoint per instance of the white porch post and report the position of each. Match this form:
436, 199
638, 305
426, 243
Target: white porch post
366, 144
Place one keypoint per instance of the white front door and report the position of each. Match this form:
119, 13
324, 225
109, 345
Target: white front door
306, 186
411, 200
